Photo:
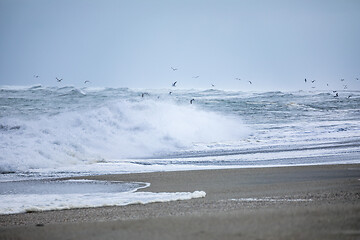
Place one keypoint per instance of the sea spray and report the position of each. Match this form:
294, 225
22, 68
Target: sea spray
115, 129
87, 131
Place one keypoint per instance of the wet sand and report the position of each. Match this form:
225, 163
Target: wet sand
310, 202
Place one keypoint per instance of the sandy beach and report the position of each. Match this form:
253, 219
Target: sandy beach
309, 202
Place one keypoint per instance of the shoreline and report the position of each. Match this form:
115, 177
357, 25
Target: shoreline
318, 201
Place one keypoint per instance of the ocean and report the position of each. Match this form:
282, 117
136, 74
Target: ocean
55, 132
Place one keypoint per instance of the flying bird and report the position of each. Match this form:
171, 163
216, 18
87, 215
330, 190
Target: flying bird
305, 80
212, 85
357, 79
250, 82
313, 81
59, 79
36, 76
174, 84
191, 101
196, 76
86, 81
174, 69
238, 79
336, 95
342, 79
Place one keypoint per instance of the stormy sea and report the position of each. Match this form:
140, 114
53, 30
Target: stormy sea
48, 133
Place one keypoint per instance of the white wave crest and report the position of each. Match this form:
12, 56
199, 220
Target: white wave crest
117, 130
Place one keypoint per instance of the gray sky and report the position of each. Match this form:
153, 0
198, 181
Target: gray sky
134, 43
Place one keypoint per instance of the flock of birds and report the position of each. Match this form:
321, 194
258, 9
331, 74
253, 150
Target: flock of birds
250, 82
197, 76
336, 94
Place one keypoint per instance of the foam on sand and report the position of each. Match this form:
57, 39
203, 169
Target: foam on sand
53, 199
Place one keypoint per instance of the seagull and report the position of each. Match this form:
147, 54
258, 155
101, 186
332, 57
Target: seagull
336, 95
174, 84
212, 85
36, 76
342, 79
313, 81
334, 91
238, 79
250, 82
59, 80
305, 80
174, 69
86, 81
357, 79
196, 76
349, 96
191, 101
170, 93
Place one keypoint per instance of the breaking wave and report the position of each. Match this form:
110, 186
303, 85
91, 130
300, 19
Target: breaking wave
114, 130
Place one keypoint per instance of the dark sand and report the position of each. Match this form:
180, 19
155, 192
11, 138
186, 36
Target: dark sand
313, 202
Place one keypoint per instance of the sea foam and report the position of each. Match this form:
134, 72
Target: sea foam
112, 130
41, 196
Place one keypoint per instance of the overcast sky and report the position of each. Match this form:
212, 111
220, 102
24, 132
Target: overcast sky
134, 43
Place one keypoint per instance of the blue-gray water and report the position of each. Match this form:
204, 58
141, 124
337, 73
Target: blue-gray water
49, 131
45, 187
